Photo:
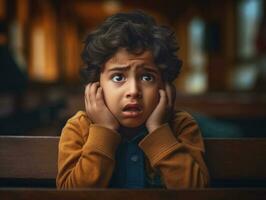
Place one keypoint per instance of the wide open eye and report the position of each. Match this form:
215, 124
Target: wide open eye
118, 78
147, 77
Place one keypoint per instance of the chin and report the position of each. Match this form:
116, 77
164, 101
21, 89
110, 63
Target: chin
132, 123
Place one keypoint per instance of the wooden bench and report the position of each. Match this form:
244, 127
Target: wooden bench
31, 161
28, 166
115, 194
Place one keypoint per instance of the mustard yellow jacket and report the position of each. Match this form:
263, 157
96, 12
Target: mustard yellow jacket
87, 153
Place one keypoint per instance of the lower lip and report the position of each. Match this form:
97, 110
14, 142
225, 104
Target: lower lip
132, 114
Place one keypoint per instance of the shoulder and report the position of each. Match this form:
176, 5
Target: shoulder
79, 117
77, 126
182, 117
186, 129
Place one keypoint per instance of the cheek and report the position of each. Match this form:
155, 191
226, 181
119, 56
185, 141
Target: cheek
156, 98
152, 98
106, 93
108, 97
111, 97
110, 93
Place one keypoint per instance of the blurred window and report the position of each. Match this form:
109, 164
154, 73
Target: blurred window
249, 13
197, 79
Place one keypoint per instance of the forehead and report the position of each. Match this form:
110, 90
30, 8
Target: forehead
125, 58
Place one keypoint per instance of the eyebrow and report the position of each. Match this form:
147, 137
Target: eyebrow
121, 68
126, 68
156, 71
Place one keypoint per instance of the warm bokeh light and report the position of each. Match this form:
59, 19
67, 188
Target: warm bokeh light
222, 46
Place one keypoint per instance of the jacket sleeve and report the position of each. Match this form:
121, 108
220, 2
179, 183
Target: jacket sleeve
178, 154
86, 155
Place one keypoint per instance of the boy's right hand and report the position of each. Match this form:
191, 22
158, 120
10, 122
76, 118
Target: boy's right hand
96, 108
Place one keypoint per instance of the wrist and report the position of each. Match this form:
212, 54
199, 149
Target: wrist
152, 128
113, 128
110, 126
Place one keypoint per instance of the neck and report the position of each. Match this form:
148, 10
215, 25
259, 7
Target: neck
130, 132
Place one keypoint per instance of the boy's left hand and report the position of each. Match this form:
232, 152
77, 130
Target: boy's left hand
163, 110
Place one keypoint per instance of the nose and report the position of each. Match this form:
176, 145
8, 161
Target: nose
133, 89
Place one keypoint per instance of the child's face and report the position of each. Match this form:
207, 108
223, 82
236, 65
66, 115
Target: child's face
131, 86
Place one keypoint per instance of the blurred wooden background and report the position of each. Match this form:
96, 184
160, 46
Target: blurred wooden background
223, 48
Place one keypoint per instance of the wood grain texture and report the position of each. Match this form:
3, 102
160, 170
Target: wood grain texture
28, 157
227, 159
231, 159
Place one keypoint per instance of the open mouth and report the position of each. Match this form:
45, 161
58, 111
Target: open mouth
132, 110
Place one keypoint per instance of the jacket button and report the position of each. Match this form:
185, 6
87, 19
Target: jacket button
134, 158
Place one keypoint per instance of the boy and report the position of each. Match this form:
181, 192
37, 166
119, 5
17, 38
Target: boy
129, 136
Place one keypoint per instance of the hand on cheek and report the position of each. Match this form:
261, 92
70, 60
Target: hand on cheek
96, 108
161, 113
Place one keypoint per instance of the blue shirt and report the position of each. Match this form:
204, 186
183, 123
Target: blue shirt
129, 169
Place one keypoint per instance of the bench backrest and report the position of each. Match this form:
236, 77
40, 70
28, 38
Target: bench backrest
32, 161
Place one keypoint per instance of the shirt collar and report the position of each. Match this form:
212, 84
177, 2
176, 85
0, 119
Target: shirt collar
141, 134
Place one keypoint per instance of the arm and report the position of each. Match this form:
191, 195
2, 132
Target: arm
88, 161
176, 152
178, 155
86, 154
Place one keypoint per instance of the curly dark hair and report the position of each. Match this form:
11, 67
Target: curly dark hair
136, 32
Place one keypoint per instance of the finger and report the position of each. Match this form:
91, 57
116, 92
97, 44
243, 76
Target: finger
92, 93
163, 98
99, 96
87, 100
87, 89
